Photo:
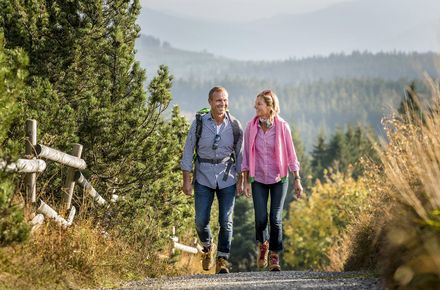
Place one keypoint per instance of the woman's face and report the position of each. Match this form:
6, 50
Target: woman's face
261, 109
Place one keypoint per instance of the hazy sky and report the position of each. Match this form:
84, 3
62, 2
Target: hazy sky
236, 10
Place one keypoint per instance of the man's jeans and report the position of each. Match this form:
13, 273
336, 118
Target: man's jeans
260, 195
204, 196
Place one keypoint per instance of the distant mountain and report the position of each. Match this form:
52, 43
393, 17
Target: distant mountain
317, 92
204, 66
373, 25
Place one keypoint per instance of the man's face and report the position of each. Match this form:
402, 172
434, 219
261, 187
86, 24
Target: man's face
219, 103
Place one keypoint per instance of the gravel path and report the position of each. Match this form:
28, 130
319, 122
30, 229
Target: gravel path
264, 280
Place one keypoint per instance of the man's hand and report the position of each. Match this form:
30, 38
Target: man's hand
187, 186
239, 185
239, 188
298, 188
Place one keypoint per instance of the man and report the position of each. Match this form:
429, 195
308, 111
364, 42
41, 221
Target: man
217, 171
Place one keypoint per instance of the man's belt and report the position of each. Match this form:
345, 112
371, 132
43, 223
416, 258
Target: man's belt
218, 161
214, 161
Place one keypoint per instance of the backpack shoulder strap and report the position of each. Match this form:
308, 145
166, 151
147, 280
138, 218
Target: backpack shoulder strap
199, 126
236, 128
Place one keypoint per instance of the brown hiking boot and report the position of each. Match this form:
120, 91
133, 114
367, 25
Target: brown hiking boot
222, 266
262, 254
208, 257
274, 262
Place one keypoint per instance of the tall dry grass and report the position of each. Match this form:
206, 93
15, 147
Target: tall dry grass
411, 164
81, 256
398, 234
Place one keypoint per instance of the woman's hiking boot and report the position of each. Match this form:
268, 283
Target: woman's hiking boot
208, 257
222, 266
274, 262
262, 254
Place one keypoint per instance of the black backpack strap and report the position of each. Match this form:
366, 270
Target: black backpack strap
236, 131
199, 127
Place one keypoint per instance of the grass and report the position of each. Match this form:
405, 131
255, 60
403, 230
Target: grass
411, 165
398, 234
79, 257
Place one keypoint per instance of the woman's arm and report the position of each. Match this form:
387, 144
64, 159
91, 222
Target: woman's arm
293, 163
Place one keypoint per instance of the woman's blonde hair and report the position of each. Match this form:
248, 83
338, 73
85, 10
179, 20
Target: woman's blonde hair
271, 101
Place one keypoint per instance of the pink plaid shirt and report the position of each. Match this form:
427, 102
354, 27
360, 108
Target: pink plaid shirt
266, 169
268, 160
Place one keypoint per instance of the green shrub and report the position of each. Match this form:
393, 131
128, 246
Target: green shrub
12, 74
315, 224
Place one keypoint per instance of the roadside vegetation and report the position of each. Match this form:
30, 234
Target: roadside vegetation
75, 73
369, 205
387, 220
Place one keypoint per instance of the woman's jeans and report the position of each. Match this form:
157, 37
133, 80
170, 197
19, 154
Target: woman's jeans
203, 198
260, 195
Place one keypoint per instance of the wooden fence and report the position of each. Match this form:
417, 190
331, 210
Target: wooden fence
34, 163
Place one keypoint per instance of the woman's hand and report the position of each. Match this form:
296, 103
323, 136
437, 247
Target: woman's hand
298, 188
247, 189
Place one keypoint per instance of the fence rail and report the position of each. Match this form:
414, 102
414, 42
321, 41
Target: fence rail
34, 163
195, 249
24, 165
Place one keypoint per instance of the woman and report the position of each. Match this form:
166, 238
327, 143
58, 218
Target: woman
268, 155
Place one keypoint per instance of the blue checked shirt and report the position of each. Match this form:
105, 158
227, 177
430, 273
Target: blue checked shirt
208, 174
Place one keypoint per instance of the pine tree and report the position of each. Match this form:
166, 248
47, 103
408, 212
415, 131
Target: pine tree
338, 151
12, 75
319, 156
86, 87
410, 107
243, 254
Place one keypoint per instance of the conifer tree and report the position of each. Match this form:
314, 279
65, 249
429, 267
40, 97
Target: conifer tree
243, 250
319, 156
86, 87
12, 74
410, 106
338, 151
343, 150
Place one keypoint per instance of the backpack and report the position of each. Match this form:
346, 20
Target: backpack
236, 128
236, 131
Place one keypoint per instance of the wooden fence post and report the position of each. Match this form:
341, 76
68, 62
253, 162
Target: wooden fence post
31, 142
70, 181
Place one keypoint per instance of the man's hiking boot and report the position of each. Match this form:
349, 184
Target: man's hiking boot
274, 262
222, 266
208, 257
262, 255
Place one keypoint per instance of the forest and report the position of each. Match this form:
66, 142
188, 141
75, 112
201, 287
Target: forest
365, 128
319, 93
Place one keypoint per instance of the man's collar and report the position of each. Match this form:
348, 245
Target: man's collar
212, 118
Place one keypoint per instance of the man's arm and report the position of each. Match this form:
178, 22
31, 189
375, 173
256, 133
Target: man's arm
239, 160
187, 183
239, 150
186, 163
